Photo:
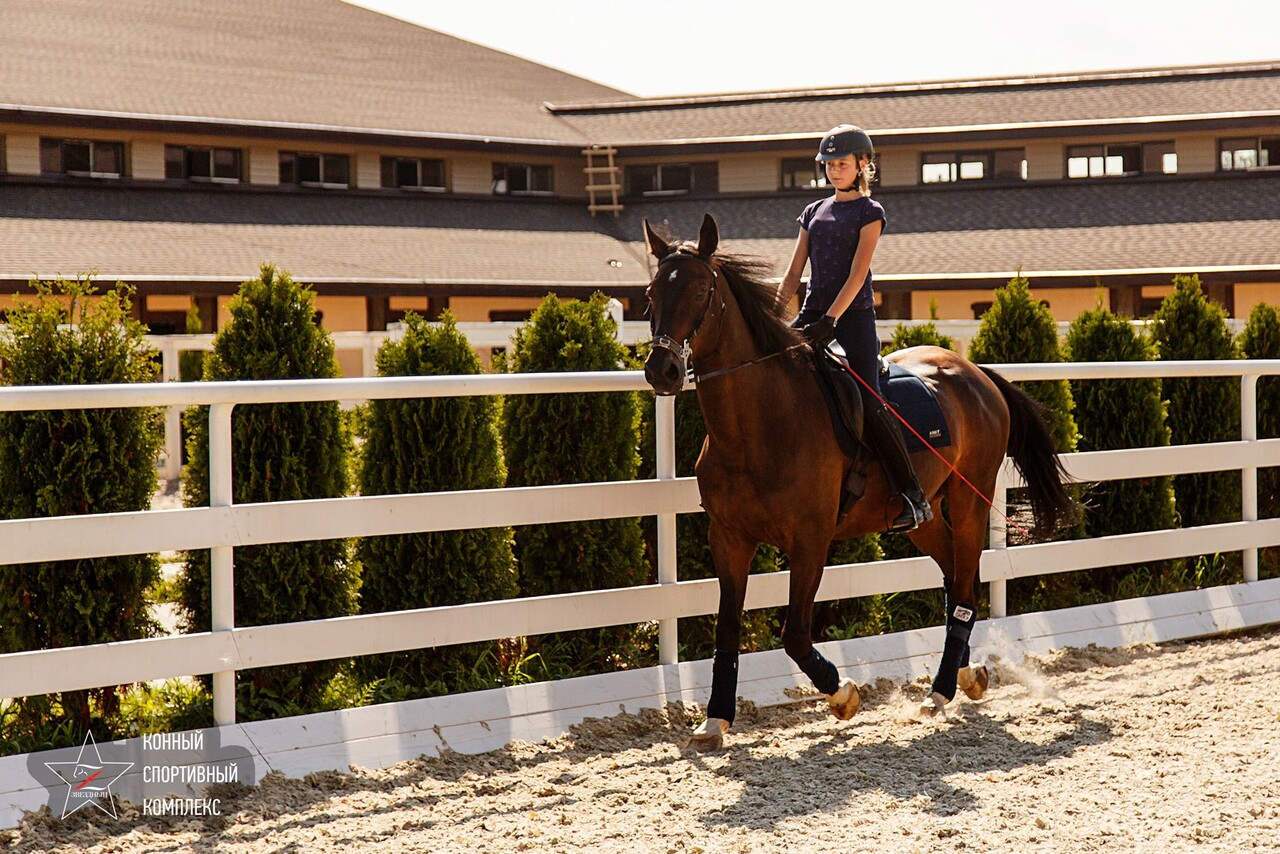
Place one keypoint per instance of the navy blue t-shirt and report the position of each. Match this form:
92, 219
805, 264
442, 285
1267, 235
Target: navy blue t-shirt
834, 229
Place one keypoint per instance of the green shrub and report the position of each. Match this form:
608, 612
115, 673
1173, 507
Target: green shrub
70, 462
1187, 326
1114, 414
1261, 340
191, 362
1019, 328
574, 438
905, 335
432, 445
280, 452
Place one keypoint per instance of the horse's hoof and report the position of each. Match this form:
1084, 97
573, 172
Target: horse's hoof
973, 681
934, 704
846, 701
709, 735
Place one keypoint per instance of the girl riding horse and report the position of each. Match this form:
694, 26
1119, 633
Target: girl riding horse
758, 485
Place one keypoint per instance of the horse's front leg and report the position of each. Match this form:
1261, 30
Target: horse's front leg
731, 552
807, 562
961, 589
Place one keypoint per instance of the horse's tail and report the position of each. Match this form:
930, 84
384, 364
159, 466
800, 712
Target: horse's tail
1032, 449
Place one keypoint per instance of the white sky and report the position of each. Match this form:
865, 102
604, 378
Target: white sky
698, 46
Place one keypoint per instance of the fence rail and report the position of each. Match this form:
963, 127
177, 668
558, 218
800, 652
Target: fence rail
223, 526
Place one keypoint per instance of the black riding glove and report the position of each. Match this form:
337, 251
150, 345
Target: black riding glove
820, 333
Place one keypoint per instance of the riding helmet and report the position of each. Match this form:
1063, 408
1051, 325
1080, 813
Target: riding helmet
843, 140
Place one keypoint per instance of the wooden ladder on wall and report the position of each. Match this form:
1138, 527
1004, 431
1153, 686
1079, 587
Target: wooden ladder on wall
603, 179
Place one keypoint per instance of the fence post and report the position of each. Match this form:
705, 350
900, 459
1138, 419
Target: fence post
1249, 474
221, 558
665, 431
169, 372
998, 531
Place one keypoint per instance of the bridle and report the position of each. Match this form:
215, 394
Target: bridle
682, 350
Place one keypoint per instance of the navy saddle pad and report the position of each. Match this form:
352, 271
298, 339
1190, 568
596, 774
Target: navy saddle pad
909, 396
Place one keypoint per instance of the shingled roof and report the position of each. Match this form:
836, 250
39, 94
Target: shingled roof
177, 235
293, 62
960, 235
328, 66
1241, 93
980, 234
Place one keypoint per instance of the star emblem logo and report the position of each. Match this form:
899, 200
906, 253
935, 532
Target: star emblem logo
89, 779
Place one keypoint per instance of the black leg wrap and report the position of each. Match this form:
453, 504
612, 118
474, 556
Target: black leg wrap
823, 673
724, 685
960, 620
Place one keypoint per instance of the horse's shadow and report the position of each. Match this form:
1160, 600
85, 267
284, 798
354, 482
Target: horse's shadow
832, 768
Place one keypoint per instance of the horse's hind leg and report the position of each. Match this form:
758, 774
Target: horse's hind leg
797, 634
731, 554
958, 552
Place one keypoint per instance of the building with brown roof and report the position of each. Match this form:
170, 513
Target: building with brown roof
177, 145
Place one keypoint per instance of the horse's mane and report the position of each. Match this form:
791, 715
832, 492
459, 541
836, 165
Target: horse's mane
765, 316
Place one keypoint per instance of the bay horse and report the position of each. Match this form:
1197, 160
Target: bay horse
771, 470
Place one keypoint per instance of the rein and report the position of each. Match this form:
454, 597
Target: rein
697, 378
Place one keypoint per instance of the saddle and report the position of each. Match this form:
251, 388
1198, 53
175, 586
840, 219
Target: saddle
909, 396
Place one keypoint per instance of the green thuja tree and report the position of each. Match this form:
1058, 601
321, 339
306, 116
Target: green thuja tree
575, 438
1115, 414
68, 462
191, 362
1261, 340
1188, 326
438, 444
1020, 328
917, 335
280, 452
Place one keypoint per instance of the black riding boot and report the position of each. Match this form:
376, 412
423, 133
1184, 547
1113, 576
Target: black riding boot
888, 441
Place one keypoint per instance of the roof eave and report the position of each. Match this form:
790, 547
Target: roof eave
216, 126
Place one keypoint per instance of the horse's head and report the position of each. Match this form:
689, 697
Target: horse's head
679, 296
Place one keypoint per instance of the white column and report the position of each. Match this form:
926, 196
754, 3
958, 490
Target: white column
665, 431
1249, 474
221, 558
998, 526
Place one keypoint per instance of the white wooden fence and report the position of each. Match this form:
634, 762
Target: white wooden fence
383, 735
222, 527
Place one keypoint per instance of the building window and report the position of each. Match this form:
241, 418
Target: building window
1121, 159
670, 179
217, 165
82, 158
1250, 152
944, 167
305, 169
803, 173
411, 173
522, 179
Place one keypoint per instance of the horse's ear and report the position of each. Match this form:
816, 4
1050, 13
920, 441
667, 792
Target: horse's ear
708, 237
658, 247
